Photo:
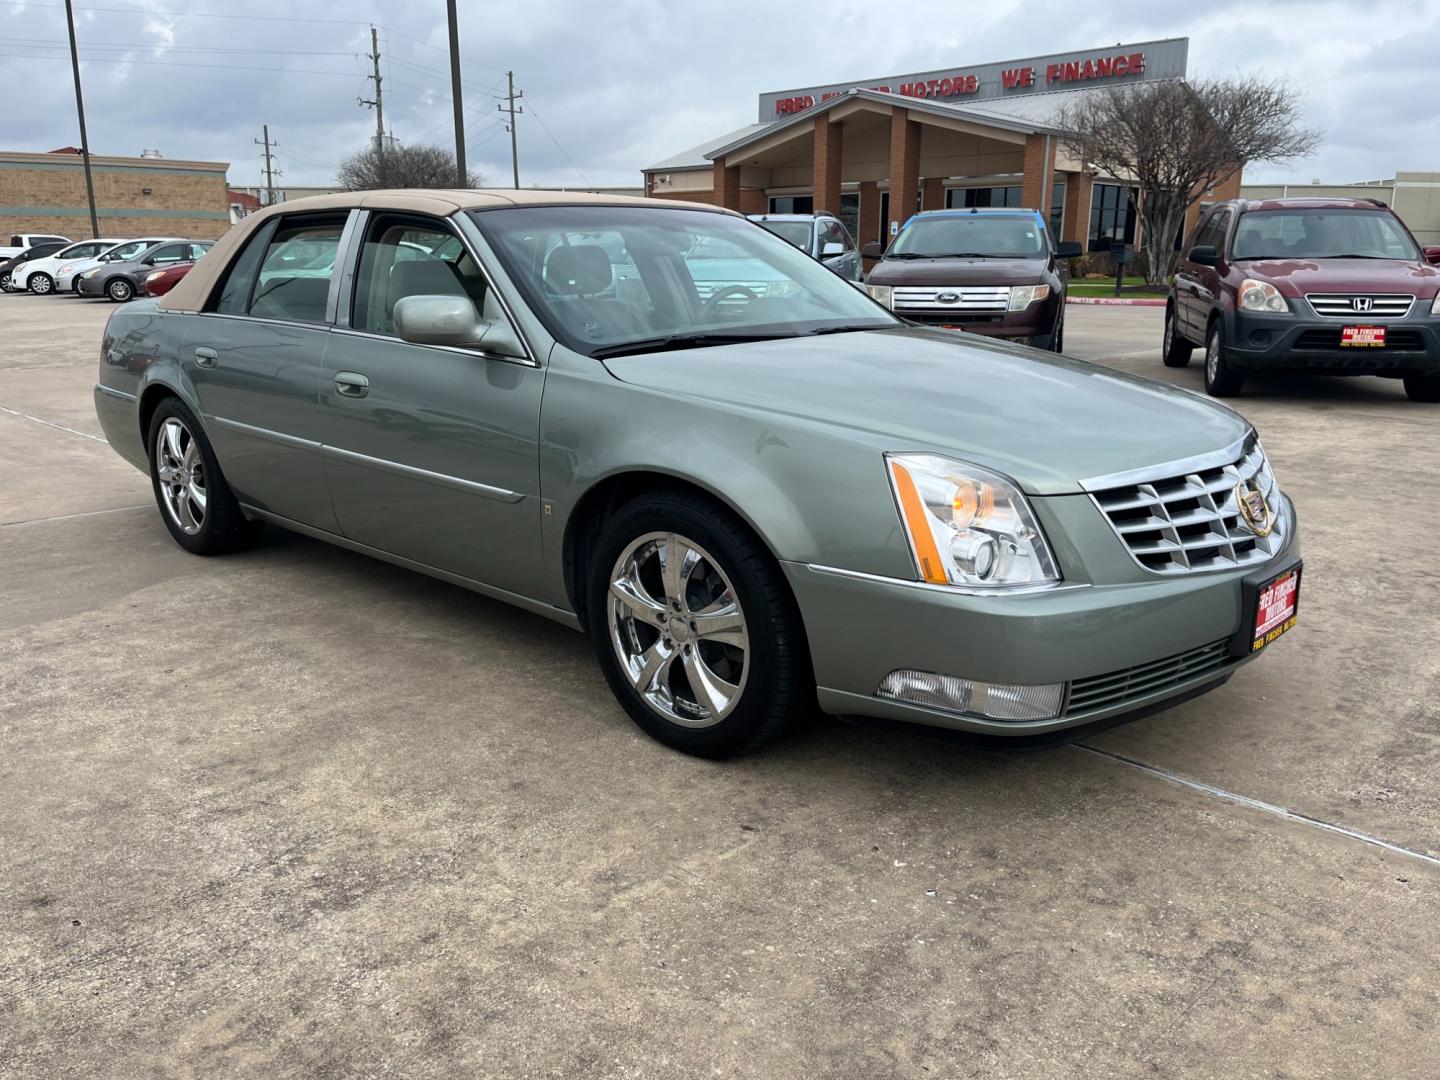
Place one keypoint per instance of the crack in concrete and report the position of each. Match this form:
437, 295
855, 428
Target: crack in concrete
1259, 804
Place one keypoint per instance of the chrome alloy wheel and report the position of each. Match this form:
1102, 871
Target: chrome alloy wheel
181, 470
1212, 358
1169, 332
678, 630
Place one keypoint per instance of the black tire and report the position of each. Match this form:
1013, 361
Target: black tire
1057, 341
224, 527
41, 284
1423, 388
1221, 380
777, 687
120, 289
5, 283
1174, 349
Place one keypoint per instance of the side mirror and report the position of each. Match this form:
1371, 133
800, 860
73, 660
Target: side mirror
873, 250
1068, 249
832, 248
1204, 255
452, 320
1432, 256
147, 262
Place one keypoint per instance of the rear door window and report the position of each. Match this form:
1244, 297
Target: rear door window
284, 271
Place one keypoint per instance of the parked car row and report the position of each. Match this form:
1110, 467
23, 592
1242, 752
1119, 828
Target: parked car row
116, 268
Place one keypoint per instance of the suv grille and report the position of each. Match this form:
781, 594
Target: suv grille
1118, 687
1371, 305
977, 298
1191, 523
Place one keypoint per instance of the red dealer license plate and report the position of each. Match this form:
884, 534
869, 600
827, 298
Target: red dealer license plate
1276, 604
1372, 337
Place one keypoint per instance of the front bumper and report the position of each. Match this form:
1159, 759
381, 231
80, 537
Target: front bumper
1166, 636
1027, 327
89, 286
1300, 342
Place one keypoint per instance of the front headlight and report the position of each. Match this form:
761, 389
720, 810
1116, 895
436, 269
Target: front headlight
87, 274
1022, 296
1262, 296
1435, 305
967, 526
881, 294
153, 275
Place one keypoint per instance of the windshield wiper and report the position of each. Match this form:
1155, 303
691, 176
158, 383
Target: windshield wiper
848, 328
693, 340
1387, 258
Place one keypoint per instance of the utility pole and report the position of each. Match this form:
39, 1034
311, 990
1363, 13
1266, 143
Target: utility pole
510, 106
80, 109
269, 165
379, 103
462, 174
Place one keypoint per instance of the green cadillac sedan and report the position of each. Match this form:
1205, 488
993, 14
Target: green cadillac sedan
755, 489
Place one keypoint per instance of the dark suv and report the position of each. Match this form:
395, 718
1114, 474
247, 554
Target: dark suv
992, 272
1336, 286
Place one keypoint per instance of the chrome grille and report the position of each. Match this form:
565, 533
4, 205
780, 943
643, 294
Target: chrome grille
967, 298
1129, 684
1371, 305
1191, 522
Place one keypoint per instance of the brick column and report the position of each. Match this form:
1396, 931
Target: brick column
829, 142
904, 166
1076, 225
727, 185
1039, 174
932, 197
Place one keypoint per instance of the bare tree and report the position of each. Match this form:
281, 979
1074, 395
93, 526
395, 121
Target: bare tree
401, 167
1178, 139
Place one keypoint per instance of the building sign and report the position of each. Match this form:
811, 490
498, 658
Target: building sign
1064, 71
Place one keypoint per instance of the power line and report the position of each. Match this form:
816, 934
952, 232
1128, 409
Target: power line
184, 14
556, 141
169, 63
47, 43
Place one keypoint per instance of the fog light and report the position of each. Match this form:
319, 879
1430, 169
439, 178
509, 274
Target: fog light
993, 701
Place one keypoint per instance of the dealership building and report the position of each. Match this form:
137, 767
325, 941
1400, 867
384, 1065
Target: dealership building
873, 151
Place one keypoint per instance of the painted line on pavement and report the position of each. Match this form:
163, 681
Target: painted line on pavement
51, 423
1258, 804
84, 514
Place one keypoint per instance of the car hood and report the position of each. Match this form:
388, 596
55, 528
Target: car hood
938, 272
1046, 421
1344, 275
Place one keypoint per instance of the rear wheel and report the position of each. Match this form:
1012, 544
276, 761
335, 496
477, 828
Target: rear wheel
694, 626
42, 284
120, 290
1176, 350
1423, 387
1221, 380
195, 502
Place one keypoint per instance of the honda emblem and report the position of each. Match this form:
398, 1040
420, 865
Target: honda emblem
1361, 303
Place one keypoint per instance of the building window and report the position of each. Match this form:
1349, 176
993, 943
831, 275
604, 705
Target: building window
1112, 216
850, 211
982, 196
1057, 210
792, 204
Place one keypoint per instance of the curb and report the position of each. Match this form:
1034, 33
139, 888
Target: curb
1111, 301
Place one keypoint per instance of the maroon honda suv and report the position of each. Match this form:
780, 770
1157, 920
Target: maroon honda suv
1336, 286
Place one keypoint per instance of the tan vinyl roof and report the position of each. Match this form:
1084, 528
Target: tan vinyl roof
190, 294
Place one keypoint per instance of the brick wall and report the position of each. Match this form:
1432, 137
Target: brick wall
1039, 173
46, 193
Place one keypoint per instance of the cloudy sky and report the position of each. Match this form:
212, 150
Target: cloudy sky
613, 85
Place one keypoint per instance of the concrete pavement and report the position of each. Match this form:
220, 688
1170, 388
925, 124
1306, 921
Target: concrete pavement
295, 812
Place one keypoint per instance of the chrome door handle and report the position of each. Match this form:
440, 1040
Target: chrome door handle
206, 356
351, 384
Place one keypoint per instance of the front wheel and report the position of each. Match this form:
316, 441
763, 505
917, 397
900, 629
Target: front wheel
1423, 388
1176, 350
1221, 380
195, 502
42, 284
120, 290
695, 628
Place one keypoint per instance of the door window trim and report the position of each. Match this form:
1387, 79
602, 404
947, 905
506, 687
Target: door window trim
355, 238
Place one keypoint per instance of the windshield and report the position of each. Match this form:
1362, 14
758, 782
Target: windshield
998, 236
1321, 234
604, 276
126, 252
793, 232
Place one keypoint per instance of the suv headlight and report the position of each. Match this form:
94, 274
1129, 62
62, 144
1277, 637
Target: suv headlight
1435, 305
1022, 296
881, 294
1262, 296
967, 526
